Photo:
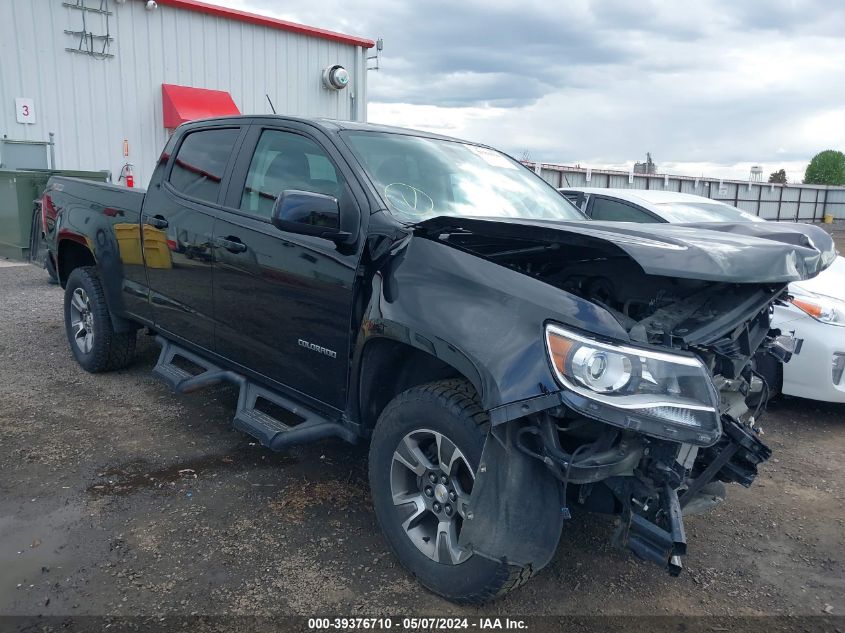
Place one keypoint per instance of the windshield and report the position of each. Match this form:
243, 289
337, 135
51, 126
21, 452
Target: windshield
703, 212
421, 178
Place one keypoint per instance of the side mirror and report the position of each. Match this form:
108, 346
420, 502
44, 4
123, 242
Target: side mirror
308, 213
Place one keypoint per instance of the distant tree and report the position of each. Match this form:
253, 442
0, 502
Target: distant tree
826, 168
778, 176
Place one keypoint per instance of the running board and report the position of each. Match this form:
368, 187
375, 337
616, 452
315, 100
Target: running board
268, 430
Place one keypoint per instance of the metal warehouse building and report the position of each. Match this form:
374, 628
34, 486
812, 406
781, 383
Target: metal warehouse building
111, 78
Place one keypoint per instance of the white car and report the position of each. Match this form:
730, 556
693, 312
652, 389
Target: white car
815, 314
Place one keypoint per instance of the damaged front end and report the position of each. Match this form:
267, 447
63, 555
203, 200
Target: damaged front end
648, 429
612, 468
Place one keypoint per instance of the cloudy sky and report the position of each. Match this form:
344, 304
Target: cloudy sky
709, 87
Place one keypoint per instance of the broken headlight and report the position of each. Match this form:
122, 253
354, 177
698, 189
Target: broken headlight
666, 395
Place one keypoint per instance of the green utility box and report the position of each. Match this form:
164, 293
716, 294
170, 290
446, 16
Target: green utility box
18, 191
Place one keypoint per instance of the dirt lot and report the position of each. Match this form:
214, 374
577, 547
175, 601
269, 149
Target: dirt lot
119, 497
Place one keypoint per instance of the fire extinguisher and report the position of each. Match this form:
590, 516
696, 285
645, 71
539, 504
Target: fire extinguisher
127, 175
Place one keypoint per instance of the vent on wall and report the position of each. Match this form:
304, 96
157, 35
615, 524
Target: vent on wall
94, 14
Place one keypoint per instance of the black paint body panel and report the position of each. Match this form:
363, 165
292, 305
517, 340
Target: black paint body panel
250, 310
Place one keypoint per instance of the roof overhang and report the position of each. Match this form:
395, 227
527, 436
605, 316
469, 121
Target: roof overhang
183, 103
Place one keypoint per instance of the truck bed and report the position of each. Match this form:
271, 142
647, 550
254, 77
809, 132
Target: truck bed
103, 197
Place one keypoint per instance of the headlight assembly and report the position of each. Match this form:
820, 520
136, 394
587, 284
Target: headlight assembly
670, 396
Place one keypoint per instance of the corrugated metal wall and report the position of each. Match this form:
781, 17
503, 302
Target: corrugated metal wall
772, 202
92, 105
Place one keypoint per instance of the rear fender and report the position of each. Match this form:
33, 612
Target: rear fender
103, 249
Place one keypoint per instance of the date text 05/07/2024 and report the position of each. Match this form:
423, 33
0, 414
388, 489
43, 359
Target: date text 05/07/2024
413, 624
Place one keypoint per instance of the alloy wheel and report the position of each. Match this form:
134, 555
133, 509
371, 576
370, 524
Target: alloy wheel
431, 482
82, 321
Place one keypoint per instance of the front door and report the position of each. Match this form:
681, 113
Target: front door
282, 301
177, 231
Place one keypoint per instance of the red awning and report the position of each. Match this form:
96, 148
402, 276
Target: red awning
183, 103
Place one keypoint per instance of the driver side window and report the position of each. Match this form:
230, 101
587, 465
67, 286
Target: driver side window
282, 161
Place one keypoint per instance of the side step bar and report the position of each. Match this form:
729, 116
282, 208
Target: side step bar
271, 432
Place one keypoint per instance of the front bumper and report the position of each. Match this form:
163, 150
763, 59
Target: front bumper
809, 374
661, 542
527, 481
653, 503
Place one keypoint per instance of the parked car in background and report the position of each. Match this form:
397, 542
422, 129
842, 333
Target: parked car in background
815, 312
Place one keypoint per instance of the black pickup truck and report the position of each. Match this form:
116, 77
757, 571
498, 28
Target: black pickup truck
507, 360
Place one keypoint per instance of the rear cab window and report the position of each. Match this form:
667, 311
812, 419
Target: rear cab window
200, 163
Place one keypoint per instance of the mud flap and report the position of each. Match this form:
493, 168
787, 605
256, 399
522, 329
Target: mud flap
514, 512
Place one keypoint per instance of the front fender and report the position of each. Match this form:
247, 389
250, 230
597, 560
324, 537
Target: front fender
485, 320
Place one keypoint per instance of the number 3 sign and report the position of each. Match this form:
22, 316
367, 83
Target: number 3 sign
25, 110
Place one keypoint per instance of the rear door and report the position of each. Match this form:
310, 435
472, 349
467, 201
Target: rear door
178, 224
283, 301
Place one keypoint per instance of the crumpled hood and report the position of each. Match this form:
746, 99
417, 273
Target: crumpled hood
751, 252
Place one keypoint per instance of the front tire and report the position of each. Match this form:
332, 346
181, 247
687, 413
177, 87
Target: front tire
424, 453
90, 333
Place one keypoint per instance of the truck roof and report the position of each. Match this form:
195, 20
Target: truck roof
333, 125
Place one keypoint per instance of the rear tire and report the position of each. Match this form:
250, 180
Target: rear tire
90, 333
432, 419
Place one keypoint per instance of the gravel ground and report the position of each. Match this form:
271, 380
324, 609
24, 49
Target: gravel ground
119, 497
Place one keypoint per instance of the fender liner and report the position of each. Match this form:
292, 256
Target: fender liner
515, 511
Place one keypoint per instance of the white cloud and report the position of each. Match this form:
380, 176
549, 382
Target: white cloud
708, 88
450, 121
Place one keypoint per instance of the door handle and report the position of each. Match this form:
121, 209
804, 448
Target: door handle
155, 221
231, 244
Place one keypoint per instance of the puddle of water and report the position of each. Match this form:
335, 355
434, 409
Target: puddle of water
141, 475
34, 551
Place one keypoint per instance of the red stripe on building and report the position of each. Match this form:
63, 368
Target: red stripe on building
263, 20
